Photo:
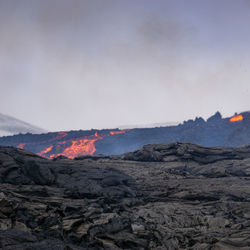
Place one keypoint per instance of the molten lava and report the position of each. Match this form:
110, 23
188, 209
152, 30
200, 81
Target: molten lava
80, 147
62, 145
85, 146
45, 151
122, 131
236, 118
60, 135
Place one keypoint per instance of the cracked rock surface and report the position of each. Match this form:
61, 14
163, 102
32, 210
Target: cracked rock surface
167, 196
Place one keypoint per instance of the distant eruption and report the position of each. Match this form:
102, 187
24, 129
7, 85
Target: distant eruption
71, 148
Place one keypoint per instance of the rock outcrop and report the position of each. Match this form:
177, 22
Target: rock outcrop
168, 196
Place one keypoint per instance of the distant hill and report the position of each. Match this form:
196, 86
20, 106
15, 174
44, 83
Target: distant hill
12, 126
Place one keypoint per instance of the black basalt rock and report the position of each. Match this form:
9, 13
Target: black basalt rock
164, 196
41, 175
214, 118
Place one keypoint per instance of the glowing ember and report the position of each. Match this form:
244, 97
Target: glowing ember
236, 118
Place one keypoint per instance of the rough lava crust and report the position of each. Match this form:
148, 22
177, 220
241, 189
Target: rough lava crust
168, 196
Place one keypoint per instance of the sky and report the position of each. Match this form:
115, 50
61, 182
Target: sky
83, 64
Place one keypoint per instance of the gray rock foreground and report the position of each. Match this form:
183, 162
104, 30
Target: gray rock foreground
173, 196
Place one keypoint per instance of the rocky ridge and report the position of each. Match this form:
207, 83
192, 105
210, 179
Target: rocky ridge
168, 196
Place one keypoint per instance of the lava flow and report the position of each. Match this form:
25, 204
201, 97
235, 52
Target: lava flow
236, 118
71, 148
122, 131
80, 147
45, 151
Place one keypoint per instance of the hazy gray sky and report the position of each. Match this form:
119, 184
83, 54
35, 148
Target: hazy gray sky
82, 64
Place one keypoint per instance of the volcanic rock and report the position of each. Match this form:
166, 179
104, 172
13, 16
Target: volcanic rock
216, 117
168, 196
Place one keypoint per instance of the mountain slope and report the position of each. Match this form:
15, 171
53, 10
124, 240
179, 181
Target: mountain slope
11, 126
216, 131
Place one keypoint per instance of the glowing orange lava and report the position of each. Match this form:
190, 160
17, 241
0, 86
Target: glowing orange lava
236, 118
118, 132
85, 146
60, 135
80, 147
71, 147
45, 151
52, 156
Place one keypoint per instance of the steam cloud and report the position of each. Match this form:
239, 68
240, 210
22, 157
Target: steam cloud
92, 64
